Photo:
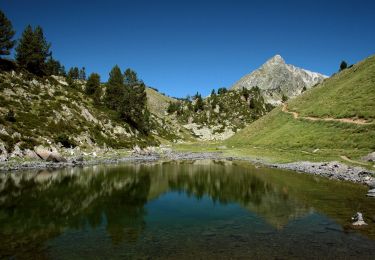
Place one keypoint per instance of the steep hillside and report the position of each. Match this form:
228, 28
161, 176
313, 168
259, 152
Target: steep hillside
277, 79
322, 122
44, 111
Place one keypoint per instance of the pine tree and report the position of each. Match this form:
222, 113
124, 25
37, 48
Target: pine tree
73, 73
33, 50
62, 71
115, 88
6, 35
343, 65
82, 73
52, 67
130, 77
199, 105
127, 96
93, 83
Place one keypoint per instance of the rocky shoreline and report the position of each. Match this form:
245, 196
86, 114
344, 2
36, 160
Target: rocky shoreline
331, 170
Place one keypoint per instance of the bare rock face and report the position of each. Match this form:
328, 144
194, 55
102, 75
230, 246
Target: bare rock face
275, 78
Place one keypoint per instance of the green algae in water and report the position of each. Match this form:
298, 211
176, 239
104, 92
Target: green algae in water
201, 209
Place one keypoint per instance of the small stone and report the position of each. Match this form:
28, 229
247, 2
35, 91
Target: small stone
358, 217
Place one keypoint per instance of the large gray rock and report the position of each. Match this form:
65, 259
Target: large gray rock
49, 154
55, 157
370, 157
42, 152
275, 78
29, 154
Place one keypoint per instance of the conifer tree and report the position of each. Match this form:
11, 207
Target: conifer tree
343, 65
82, 73
115, 88
6, 35
52, 67
33, 50
130, 77
93, 83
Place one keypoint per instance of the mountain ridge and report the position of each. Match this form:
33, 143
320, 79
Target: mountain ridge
277, 79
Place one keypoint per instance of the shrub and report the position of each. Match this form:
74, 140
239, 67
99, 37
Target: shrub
10, 116
65, 141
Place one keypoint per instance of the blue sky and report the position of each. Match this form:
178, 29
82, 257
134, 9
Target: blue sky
181, 47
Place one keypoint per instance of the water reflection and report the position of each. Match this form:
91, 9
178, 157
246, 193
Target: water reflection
38, 206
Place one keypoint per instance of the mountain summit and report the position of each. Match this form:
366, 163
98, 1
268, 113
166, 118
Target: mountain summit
275, 78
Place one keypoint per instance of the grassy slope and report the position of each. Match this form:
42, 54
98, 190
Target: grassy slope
348, 94
157, 103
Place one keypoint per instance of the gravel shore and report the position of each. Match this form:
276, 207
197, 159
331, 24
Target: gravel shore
332, 170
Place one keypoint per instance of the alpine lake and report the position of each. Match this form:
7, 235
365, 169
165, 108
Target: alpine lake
203, 209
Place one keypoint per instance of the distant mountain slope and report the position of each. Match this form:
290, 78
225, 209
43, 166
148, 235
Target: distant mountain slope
276, 78
349, 94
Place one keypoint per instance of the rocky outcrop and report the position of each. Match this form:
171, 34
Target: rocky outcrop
275, 78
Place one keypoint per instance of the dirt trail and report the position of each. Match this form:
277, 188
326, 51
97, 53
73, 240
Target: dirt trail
356, 121
352, 161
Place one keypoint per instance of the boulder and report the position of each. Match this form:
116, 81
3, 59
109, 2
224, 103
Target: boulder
42, 152
55, 157
370, 157
29, 154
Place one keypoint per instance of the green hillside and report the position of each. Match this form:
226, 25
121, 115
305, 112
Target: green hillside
349, 94
44, 111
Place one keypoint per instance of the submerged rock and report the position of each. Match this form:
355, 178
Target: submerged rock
358, 220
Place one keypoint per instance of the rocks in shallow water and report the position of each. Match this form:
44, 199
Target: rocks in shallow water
358, 220
333, 170
371, 193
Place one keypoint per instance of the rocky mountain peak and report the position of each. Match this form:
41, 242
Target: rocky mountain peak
275, 60
276, 79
